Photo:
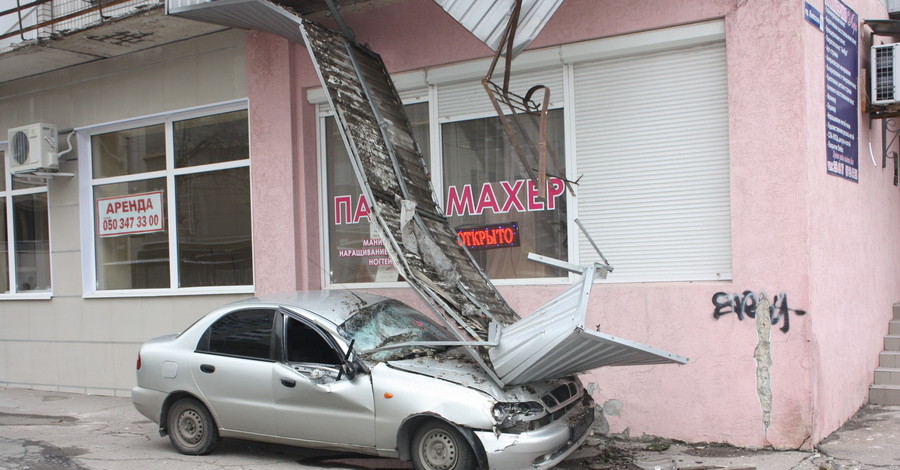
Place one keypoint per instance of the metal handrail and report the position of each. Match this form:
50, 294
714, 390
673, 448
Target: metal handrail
22, 29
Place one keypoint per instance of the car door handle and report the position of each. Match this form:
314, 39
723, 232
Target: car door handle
209, 369
289, 383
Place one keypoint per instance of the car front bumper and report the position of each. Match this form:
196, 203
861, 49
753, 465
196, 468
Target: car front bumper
539, 449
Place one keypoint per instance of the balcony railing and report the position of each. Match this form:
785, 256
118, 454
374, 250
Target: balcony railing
32, 20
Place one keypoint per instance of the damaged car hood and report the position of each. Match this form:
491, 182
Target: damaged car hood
455, 366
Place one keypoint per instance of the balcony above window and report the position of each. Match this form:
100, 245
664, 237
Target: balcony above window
39, 36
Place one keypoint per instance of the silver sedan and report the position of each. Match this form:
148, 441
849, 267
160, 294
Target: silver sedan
351, 372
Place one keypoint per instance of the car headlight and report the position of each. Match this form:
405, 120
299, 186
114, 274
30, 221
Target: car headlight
516, 417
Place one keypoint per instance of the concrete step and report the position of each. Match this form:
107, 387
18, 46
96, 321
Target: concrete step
884, 395
887, 376
892, 343
889, 359
894, 328
896, 311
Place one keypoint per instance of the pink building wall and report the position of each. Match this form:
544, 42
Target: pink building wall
854, 251
831, 245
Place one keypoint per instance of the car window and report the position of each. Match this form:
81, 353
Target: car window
392, 322
245, 333
305, 344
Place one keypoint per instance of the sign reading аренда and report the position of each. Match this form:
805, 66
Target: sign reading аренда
131, 214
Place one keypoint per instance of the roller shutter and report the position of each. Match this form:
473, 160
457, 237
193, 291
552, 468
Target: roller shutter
651, 134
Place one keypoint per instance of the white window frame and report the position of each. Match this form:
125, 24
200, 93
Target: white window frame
86, 197
8, 194
324, 111
434, 123
565, 56
557, 103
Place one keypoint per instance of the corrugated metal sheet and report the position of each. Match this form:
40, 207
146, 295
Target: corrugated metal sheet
487, 19
245, 14
553, 342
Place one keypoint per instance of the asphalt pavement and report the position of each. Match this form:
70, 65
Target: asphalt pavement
49, 430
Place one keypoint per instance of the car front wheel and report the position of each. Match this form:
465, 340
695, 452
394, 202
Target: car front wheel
191, 428
439, 446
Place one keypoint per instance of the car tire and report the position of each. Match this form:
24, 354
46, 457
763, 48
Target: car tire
437, 445
191, 428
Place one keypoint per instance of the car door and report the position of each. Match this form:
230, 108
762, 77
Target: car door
314, 400
233, 367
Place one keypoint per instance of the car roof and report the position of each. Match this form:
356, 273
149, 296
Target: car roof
334, 305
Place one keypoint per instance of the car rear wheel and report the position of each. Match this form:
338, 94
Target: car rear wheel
191, 427
439, 446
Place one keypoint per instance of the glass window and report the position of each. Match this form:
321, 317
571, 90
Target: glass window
31, 230
129, 151
214, 228
130, 260
4, 249
356, 251
139, 190
245, 333
485, 187
212, 139
487, 190
392, 322
633, 201
24, 234
304, 344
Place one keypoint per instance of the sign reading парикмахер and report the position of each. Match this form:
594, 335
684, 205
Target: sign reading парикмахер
841, 78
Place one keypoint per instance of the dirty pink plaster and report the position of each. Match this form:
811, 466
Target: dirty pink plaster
273, 156
789, 224
854, 251
769, 190
284, 174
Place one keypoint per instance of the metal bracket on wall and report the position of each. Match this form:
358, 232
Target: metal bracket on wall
523, 117
41, 177
890, 126
339, 19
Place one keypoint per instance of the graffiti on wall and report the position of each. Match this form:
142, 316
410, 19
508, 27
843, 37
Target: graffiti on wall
746, 305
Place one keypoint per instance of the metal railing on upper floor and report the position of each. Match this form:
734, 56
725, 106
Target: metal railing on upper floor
28, 20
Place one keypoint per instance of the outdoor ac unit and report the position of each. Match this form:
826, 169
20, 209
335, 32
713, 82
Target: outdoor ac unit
886, 74
32, 147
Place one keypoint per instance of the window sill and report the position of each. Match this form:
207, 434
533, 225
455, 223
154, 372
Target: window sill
109, 294
28, 296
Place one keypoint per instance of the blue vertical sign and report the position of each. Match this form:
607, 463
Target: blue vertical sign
812, 16
841, 79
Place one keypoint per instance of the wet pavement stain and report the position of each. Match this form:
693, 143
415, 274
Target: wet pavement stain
38, 455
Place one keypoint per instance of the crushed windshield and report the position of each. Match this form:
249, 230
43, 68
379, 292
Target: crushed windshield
392, 322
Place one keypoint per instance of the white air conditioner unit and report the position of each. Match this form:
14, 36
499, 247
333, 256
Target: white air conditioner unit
885, 74
32, 147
